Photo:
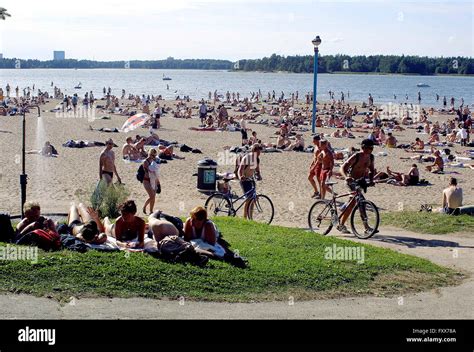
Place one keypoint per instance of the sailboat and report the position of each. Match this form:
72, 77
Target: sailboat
166, 78
79, 86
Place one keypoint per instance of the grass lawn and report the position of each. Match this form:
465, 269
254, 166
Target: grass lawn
284, 262
432, 223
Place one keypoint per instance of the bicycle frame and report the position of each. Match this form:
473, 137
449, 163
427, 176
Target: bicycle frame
354, 196
250, 194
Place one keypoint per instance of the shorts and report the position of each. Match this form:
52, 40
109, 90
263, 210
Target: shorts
202, 115
315, 170
244, 134
325, 175
247, 185
111, 174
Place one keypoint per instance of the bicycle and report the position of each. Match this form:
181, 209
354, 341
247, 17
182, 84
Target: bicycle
260, 208
323, 215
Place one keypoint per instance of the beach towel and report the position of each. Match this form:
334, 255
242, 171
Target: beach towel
83, 144
201, 129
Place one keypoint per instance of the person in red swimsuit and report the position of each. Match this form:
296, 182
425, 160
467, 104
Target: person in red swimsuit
326, 160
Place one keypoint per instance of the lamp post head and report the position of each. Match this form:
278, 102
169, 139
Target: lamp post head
316, 41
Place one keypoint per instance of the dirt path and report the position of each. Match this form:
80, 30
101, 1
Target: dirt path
455, 251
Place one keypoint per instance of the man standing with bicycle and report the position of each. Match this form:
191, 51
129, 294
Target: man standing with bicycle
248, 171
359, 165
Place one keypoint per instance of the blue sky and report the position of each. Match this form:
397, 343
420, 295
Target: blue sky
234, 29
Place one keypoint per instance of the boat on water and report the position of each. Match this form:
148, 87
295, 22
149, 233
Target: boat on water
422, 85
165, 78
79, 86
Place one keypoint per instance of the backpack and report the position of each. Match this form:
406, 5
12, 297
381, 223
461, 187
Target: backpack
45, 239
6, 230
176, 250
141, 173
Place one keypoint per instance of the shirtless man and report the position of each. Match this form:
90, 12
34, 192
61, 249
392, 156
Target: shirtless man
315, 167
391, 141
359, 165
326, 158
129, 151
452, 197
107, 167
418, 145
249, 166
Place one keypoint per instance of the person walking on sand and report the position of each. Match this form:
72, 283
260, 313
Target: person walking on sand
107, 167
203, 112
151, 182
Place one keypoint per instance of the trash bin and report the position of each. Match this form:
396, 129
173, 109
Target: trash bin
206, 181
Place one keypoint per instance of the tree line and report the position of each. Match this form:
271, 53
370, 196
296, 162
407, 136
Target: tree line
298, 64
169, 63
363, 64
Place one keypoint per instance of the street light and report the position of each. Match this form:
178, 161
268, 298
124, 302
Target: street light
24, 176
316, 41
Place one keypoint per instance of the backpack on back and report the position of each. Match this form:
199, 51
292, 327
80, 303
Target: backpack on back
141, 173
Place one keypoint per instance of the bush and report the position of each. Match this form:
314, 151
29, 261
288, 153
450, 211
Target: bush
106, 199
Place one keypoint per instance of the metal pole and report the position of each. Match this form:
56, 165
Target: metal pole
315, 70
23, 176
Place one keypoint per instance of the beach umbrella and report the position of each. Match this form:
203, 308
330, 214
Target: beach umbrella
134, 122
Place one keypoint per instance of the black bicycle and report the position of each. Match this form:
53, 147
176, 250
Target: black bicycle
259, 208
364, 219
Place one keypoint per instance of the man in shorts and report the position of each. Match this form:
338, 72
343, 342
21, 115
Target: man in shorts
359, 165
248, 169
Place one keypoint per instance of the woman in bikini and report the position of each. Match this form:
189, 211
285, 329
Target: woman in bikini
149, 188
129, 229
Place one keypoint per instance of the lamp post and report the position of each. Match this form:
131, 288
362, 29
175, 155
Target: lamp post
24, 176
316, 41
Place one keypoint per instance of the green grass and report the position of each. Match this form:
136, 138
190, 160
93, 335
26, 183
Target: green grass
284, 262
432, 223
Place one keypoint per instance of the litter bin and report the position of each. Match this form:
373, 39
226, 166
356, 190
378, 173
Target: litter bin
207, 169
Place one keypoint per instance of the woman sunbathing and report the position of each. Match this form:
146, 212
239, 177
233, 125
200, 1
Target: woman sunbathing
410, 179
128, 230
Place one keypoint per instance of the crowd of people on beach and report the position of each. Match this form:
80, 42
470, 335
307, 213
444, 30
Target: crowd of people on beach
233, 112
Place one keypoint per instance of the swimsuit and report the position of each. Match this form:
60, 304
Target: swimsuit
111, 174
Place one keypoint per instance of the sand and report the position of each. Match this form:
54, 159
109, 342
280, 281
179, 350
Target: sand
56, 182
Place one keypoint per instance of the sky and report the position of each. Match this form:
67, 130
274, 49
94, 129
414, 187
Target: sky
109, 30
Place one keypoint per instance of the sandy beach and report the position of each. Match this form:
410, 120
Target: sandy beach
56, 182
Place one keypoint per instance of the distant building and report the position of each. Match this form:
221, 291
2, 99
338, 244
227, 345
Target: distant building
59, 55
1, 56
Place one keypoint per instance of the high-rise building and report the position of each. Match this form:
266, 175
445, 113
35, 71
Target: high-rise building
59, 55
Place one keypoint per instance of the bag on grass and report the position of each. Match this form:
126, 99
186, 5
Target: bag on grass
6, 229
45, 239
176, 250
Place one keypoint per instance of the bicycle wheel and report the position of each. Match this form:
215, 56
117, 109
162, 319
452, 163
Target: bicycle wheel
218, 205
320, 217
261, 209
365, 219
